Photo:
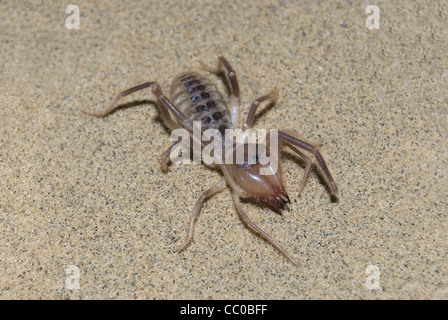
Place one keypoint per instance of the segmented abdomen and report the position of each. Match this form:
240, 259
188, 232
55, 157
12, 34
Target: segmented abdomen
199, 100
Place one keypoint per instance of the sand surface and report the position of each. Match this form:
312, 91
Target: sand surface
82, 194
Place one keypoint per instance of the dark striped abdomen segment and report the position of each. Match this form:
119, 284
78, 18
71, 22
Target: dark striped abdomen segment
199, 100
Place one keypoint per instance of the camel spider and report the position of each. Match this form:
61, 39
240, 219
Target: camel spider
195, 98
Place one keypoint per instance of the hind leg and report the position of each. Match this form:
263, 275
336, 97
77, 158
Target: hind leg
165, 106
235, 93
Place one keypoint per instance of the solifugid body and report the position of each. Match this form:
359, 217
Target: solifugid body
194, 99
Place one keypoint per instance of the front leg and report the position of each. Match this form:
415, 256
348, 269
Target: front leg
308, 166
272, 97
314, 149
165, 157
256, 229
219, 186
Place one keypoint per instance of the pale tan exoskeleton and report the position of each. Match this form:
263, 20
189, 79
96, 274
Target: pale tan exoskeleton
194, 98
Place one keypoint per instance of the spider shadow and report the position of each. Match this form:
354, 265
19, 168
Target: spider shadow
258, 203
157, 118
262, 112
131, 104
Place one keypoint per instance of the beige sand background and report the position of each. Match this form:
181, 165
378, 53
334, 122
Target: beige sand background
87, 192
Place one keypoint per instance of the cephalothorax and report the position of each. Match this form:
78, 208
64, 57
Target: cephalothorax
194, 98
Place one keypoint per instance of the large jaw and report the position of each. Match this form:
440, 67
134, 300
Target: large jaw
277, 200
268, 189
